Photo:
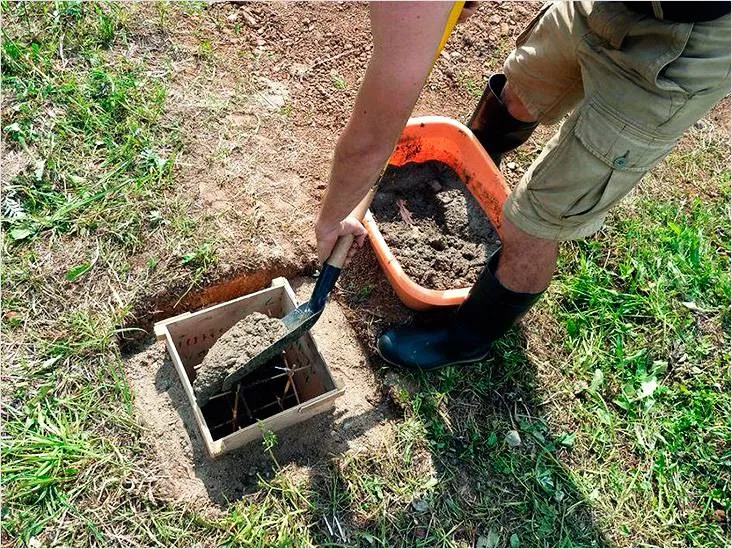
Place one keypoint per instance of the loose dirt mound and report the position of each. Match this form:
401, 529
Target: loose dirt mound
433, 225
245, 340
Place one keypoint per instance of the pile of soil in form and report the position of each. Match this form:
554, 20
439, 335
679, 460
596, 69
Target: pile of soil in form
440, 235
245, 340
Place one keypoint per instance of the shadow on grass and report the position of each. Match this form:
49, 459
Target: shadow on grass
474, 460
472, 482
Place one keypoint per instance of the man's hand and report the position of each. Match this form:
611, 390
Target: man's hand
327, 235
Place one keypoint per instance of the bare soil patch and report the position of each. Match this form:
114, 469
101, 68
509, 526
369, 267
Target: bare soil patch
362, 417
259, 93
433, 225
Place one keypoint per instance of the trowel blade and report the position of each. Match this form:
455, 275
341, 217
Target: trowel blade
297, 322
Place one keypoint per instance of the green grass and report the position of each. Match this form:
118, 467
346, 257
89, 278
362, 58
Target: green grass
97, 161
339, 83
647, 318
473, 86
643, 318
92, 132
617, 384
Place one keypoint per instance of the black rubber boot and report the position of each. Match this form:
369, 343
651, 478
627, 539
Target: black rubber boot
488, 312
495, 128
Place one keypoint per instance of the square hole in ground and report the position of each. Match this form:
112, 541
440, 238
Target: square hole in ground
287, 390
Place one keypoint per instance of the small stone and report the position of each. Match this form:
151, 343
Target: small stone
420, 505
495, 19
298, 70
513, 439
233, 17
491, 539
456, 55
511, 166
505, 29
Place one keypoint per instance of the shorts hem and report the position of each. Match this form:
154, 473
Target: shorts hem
547, 231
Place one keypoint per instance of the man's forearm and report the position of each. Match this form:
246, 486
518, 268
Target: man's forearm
406, 37
355, 170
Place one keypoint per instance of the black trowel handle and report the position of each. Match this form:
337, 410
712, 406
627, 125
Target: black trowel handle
340, 251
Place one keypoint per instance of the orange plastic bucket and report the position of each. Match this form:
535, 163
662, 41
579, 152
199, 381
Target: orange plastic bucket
440, 138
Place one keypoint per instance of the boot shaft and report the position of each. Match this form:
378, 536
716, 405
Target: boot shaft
495, 128
491, 309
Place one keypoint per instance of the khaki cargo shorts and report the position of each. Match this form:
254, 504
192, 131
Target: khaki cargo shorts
635, 83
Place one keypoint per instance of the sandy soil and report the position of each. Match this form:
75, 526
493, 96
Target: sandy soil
360, 418
233, 350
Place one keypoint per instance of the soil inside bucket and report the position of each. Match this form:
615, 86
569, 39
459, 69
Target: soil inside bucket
233, 350
433, 225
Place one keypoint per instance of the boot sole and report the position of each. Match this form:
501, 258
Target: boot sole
456, 363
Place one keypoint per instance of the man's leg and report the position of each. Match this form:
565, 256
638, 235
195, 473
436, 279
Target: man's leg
527, 263
552, 83
515, 106
514, 277
493, 123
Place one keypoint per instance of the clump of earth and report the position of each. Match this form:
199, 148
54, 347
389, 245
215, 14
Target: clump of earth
433, 225
233, 350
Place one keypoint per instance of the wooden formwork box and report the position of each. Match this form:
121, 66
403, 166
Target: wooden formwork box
189, 336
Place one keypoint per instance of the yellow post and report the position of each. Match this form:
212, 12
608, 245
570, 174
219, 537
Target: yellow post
451, 22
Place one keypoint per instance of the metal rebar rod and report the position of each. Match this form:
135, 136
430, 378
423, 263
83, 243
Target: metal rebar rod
246, 406
235, 414
275, 376
276, 401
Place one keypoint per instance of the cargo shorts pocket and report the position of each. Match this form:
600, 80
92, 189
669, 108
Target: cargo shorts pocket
610, 23
599, 159
641, 47
623, 153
